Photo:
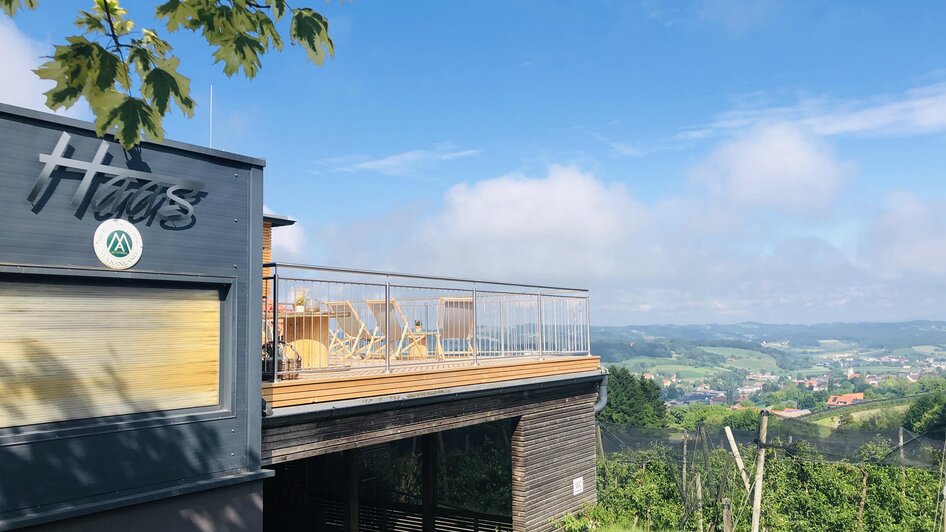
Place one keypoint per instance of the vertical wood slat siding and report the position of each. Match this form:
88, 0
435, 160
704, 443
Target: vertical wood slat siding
550, 449
74, 351
267, 255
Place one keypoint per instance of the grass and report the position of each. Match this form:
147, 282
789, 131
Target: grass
746, 359
667, 367
832, 421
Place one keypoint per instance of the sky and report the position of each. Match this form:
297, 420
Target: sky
700, 161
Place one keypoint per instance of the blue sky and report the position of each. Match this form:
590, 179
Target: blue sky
693, 161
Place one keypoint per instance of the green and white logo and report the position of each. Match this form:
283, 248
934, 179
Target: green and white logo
117, 244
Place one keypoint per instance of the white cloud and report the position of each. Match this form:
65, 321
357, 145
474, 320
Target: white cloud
688, 258
780, 167
290, 243
918, 111
907, 238
399, 164
564, 225
19, 56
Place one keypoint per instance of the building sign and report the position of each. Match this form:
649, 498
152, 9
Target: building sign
119, 192
118, 244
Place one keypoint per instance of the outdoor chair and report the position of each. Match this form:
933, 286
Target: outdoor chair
352, 338
410, 343
455, 322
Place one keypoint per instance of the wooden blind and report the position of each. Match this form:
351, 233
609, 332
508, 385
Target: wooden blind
267, 257
73, 351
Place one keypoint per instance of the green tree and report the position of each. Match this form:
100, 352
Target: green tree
927, 415
129, 76
633, 400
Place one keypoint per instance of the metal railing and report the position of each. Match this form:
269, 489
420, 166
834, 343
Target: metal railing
319, 319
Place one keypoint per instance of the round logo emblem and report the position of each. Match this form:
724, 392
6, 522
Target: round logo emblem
117, 244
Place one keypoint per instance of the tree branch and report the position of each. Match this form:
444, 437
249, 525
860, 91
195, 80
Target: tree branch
112, 32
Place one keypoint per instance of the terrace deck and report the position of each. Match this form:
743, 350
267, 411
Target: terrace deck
357, 383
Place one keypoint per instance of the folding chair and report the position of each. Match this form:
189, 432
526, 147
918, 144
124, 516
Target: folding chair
352, 338
455, 322
408, 340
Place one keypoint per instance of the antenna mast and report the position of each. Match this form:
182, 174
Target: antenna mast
211, 115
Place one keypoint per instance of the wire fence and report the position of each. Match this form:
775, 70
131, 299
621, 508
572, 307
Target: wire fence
795, 438
815, 477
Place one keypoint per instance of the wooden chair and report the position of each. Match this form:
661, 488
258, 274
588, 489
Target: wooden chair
455, 322
409, 342
352, 338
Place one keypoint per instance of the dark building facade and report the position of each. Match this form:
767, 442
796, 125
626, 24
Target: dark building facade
112, 394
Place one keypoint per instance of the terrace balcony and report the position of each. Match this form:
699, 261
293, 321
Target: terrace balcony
333, 334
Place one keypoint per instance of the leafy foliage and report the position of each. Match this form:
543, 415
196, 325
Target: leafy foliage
688, 417
112, 60
633, 400
640, 489
927, 415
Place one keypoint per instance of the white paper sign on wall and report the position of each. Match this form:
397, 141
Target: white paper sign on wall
578, 486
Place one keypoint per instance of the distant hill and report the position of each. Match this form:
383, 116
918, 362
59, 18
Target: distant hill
867, 335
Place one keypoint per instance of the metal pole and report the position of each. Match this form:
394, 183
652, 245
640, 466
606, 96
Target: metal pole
387, 325
588, 323
476, 349
540, 346
275, 324
760, 468
502, 329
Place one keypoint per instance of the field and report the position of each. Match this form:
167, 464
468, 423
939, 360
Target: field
666, 367
746, 359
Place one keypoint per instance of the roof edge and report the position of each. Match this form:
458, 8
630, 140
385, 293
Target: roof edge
277, 220
51, 118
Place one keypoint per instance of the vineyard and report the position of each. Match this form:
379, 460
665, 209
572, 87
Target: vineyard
662, 479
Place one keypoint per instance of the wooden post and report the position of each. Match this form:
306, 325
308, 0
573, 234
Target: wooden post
699, 500
350, 466
738, 456
900, 434
600, 442
727, 515
429, 476
860, 504
684, 477
760, 468
944, 505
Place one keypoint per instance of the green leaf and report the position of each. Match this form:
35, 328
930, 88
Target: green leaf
157, 44
141, 57
91, 22
176, 12
129, 117
279, 7
241, 50
81, 68
10, 7
310, 29
267, 31
164, 82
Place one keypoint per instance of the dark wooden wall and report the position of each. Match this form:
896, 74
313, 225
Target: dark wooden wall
551, 447
284, 440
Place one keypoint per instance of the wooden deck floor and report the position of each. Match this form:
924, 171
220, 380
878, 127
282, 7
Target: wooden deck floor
409, 378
